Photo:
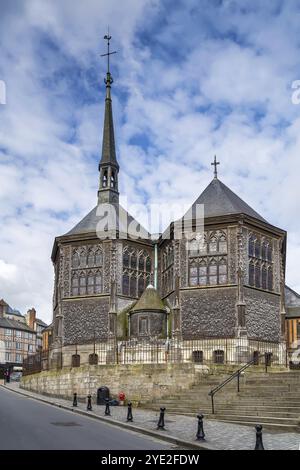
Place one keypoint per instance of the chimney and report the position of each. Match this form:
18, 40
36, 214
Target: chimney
3, 308
31, 317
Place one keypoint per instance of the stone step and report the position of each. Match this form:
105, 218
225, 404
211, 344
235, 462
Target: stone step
225, 411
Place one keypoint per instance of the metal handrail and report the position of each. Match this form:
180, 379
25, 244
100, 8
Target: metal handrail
237, 374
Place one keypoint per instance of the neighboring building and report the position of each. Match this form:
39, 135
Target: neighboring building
20, 335
228, 284
47, 338
292, 300
37, 325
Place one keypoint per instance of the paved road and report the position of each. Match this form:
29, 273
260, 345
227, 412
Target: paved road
28, 424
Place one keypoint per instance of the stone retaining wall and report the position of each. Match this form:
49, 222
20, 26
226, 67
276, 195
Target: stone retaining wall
139, 382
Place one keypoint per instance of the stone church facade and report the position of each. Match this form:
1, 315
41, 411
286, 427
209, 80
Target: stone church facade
227, 282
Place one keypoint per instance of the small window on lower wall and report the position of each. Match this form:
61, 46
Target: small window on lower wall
75, 360
198, 357
93, 359
219, 356
144, 326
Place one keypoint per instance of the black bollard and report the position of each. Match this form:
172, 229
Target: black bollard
75, 399
107, 409
200, 432
161, 421
89, 403
129, 412
259, 441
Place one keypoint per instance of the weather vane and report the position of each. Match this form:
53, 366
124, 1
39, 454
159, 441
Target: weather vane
108, 80
215, 164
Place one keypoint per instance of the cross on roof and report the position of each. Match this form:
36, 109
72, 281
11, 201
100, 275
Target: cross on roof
215, 164
109, 79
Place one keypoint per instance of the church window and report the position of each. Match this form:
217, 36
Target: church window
91, 259
213, 271
194, 248
264, 274
257, 249
125, 284
270, 253
126, 259
98, 284
213, 245
148, 264
141, 263
270, 279
251, 274
141, 285
194, 274
82, 284
251, 245
143, 326
222, 244
112, 180
223, 271
257, 275
133, 261
75, 285
83, 258
133, 285
98, 258
90, 284
264, 251
75, 260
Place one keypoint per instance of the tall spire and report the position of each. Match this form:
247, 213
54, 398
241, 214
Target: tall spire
108, 166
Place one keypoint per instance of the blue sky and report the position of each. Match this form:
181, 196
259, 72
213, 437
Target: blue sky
192, 78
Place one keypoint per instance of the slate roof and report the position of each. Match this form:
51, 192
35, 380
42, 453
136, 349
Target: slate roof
123, 219
292, 303
149, 300
41, 322
15, 325
219, 200
108, 143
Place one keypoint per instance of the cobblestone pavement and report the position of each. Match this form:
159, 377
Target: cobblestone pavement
218, 435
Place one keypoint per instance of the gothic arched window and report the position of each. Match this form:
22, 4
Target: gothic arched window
83, 258
126, 259
270, 253
251, 245
148, 264
104, 179
270, 279
82, 284
141, 285
202, 273
213, 244
98, 283
141, 262
193, 273
75, 285
264, 250
222, 271
98, 258
90, 283
112, 180
125, 284
251, 274
213, 272
75, 260
133, 285
133, 261
257, 249
264, 275
90, 259
222, 243
257, 275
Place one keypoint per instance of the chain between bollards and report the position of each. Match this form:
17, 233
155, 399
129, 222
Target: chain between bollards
129, 412
75, 400
259, 440
161, 421
89, 403
200, 432
107, 409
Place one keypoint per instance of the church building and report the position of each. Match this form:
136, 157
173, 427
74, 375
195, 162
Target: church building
226, 282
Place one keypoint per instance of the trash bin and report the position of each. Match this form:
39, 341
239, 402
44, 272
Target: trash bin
102, 395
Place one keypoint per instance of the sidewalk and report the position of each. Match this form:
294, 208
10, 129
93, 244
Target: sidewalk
179, 429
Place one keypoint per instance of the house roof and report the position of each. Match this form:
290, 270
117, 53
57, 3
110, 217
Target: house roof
41, 322
149, 300
219, 200
15, 325
120, 219
292, 298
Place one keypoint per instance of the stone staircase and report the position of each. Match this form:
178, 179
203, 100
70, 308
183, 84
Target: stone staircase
272, 400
